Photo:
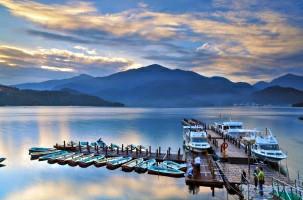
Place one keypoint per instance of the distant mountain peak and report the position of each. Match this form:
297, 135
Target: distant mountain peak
154, 67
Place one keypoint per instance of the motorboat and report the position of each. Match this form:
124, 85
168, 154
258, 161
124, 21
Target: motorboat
196, 140
226, 126
266, 147
195, 135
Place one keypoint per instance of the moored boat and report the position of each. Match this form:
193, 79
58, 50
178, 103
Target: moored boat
50, 155
55, 158
63, 160
66, 159
142, 167
266, 148
194, 135
73, 162
174, 165
36, 155
113, 164
129, 166
165, 171
40, 149
90, 160
102, 161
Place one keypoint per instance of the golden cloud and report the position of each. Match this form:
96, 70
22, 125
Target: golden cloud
58, 59
271, 37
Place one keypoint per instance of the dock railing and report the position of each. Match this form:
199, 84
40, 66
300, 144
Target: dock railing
285, 191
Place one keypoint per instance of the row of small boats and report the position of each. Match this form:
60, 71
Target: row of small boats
127, 163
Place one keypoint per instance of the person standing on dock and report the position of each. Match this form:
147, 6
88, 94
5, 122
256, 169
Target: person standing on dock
261, 178
197, 163
256, 178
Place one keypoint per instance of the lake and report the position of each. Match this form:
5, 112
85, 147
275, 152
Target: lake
25, 127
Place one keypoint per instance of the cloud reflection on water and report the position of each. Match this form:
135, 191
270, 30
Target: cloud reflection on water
115, 187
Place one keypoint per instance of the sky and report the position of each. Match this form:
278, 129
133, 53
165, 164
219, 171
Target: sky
242, 40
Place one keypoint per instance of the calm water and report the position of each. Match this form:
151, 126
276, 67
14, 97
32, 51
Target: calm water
22, 128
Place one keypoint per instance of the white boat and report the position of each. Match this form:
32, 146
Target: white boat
224, 127
266, 147
195, 136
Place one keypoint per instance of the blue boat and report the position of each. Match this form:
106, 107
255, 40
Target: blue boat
40, 149
174, 165
50, 155
89, 161
102, 161
67, 159
142, 167
55, 159
129, 166
113, 164
163, 170
35, 155
73, 162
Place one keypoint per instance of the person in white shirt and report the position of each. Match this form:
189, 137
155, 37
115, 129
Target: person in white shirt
197, 162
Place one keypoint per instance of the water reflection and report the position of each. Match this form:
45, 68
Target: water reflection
22, 128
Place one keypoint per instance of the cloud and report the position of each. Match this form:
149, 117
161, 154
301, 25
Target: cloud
235, 35
57, 69
14, 59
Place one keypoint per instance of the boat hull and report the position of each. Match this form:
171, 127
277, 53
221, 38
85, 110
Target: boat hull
267, 158
2, 159
163, 172
112, 165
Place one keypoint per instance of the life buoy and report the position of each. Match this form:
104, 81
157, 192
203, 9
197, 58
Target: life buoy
224, 146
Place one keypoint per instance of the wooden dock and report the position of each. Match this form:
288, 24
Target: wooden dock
135, 153
208, 175
234, 152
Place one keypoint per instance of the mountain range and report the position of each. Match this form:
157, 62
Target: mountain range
10, 96
158, 86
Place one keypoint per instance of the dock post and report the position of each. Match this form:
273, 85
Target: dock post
72, 144
169, 151
140, 149
97, 149
95, 146
64, 144
106, 151
87, 147
213, 191
149, 149
126, 150
80, 147
118, 151
136, 152
56, 146
122, 148
146, 152
111, 146
179, 152
159, 150
103, 145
